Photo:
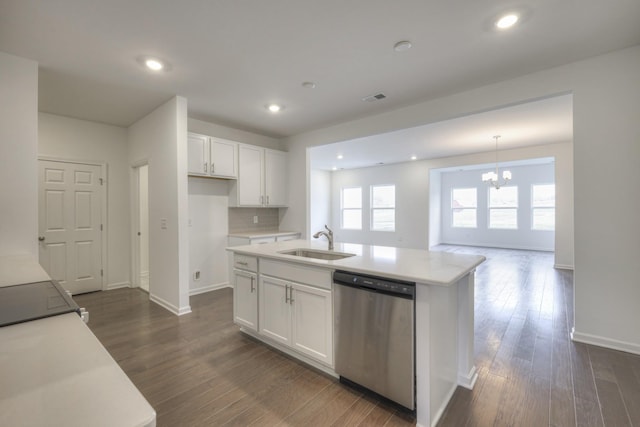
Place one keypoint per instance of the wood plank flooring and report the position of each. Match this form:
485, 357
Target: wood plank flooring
199, 370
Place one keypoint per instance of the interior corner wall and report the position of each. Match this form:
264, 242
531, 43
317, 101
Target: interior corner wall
19, 153
607, 235
81, 140
160, 139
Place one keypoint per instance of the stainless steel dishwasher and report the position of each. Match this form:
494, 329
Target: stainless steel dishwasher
375, 334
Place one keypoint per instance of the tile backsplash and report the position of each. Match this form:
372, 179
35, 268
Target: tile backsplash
241, 219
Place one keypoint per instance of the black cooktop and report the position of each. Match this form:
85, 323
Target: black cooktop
31, 301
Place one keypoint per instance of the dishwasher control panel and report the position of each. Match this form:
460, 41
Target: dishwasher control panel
374, 283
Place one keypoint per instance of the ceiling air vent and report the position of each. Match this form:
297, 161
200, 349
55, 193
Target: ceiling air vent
376, 97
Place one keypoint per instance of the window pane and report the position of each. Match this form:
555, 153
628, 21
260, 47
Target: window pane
352, 198
383, 196
383, 219
464, 198
544, 219
464, 218
503, 218
352, 218
505, 197
543, 195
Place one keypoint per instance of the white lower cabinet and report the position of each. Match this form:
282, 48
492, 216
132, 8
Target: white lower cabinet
245, 299
298, 316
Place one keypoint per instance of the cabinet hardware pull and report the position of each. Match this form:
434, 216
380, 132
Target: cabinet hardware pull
267, 199
252, 287
205, 167
213, 167
286, 294
261, 200
242, 263
291, 295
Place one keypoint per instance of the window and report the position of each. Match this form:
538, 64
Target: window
383, 207
503, 208
464, 204
352, 208
543, 207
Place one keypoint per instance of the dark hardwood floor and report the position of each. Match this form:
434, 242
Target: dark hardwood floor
199, 370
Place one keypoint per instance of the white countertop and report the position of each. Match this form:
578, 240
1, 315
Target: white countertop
432, 268
55, 372
262, 233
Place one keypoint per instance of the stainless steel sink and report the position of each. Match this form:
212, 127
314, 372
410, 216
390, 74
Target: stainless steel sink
317, 254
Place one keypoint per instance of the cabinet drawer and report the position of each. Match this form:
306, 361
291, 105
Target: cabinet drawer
318, 277
245, 262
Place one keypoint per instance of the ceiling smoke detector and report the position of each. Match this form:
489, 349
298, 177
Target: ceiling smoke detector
376, 97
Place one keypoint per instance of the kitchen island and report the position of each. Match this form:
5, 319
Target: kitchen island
444, 298
55, 372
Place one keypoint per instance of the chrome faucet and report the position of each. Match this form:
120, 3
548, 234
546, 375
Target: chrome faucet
328, 234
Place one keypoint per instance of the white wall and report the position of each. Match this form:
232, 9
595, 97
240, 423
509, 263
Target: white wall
73, 139
160, 139
435, 206
19, 152
219, 131
521, 238
606, 134
143, 215
320, 203
412, 204
208, 229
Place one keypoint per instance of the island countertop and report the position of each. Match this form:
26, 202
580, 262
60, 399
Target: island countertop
421, 266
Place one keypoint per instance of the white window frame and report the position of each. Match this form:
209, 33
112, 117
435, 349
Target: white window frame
542, 208
386, 208
343, 209
453, 208
504, 208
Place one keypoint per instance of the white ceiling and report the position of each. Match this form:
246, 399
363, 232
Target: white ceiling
545, 121
231, 58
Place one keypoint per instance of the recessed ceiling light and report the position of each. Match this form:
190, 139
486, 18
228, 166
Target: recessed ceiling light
309, 85
339, 156
414, 157
152, 63
274, 108
402, 46
507, 21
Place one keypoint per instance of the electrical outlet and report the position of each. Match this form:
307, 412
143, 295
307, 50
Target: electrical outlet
255, 219
163, 223
196, 275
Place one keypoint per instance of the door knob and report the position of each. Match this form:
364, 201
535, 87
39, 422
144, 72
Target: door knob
41, 238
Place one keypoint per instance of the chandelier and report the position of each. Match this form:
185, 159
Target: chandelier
492, 177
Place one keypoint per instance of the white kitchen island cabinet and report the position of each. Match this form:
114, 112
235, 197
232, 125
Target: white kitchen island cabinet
444, 298
245, 287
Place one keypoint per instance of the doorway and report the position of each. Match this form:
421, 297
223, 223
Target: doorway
142, 222
70, 226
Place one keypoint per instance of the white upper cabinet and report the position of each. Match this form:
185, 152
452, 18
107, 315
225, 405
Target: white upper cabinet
213, 157
262, 178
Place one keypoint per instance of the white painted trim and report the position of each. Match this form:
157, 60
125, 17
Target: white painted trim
118, 285
209, 288
443, 407
490, 245
469, 380
563, 267
167, 305
605, 342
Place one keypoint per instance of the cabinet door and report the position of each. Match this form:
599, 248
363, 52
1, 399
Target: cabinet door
223, 158
198, 154
250, 161
275, 310
245, 299
312, 332
276, 185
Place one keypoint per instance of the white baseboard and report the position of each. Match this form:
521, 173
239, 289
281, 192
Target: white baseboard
167, 305
563, 267
209, 288
605, 342
501, 246
468, 380
118, 285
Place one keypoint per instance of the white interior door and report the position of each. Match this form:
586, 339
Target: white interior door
69, 212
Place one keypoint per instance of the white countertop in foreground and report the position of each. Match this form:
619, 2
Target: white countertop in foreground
55, 372
433, 268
